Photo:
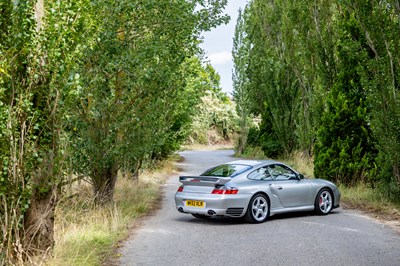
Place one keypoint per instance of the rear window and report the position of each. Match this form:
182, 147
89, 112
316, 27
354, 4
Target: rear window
227, 170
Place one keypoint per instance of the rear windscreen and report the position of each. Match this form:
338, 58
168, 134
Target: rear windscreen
227, 170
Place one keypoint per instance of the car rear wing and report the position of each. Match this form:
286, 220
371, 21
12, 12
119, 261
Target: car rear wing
204, 180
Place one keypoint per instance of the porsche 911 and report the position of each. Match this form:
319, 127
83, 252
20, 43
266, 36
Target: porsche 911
254, 190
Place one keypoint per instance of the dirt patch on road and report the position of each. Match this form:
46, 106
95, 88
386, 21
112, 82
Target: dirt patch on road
389, 217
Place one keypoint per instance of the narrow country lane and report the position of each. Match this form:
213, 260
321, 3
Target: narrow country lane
171, 238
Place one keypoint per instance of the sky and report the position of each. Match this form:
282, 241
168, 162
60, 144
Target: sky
218, 45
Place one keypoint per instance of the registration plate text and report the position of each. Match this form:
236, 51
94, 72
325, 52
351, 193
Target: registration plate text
195, 203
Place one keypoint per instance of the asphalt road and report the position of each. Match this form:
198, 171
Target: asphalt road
341, 238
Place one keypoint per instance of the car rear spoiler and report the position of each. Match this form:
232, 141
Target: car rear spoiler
204, 180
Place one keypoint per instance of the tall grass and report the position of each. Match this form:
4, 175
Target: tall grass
11, 251
86, 234
369, 199
302, 163
253, 153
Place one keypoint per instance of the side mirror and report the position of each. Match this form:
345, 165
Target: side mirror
301, 176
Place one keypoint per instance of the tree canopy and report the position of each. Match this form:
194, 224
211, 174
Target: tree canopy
90, 88
322, 75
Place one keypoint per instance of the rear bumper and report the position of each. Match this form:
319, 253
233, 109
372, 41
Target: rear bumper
218, 205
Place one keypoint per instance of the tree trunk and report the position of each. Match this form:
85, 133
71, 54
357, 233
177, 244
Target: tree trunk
104, 184
244, 132
39, 218
39, 223
135, 174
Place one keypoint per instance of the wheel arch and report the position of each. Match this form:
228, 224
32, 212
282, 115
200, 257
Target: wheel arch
316, 199
268, 199
248, 214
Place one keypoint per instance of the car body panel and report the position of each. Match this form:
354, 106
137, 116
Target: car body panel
217, 203
293, 193
286, 189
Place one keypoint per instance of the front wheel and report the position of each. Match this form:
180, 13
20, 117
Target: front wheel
324, 202
258, 209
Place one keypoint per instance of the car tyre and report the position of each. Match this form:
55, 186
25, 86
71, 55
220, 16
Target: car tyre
323, 202
258, 209
200, 216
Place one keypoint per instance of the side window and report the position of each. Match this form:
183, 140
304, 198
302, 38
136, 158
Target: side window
281, 173
260, 174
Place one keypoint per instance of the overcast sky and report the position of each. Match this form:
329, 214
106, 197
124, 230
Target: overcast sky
218, 45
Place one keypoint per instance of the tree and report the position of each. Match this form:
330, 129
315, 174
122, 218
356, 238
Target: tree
345, 149
37, 51
273, 87
240, 54
379, 25
336, 63
99, 82
131, 84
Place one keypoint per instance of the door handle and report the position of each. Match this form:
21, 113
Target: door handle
280, 188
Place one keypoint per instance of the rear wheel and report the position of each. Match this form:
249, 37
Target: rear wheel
200, 216
258, 209
324, 202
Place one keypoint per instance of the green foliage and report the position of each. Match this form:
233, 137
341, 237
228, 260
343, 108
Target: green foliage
379, 76
131, 102
37, 50
215, 120
268, 78
263, 137
19, 120
323, 76
240, 54
89, 87
196, 82
344, 149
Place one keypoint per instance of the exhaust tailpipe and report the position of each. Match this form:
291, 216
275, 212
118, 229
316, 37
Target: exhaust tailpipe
211, 213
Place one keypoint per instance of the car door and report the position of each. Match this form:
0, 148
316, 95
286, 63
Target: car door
260, 180
289, 188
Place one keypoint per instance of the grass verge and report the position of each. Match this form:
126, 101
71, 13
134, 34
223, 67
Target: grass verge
87, 235
371, 201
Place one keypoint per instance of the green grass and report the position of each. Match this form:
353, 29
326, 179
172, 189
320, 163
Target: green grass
87, 235
368, 199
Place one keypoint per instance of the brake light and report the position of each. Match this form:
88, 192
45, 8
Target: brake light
180, 189
225, 190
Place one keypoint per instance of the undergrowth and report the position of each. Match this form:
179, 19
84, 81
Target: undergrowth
369, 199
86, 234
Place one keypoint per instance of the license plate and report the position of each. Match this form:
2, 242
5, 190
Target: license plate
195, 203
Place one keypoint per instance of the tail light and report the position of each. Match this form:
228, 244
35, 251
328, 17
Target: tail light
180, 189
225, 190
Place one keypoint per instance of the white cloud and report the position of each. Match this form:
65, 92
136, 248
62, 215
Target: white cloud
220, 58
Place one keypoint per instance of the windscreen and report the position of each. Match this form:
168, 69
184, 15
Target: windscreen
227, 170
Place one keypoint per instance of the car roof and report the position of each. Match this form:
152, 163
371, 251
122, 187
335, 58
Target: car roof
253, 162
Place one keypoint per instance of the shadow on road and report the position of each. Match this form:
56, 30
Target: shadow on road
224, 221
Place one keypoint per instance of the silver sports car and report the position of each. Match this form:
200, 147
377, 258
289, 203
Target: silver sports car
254, 190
